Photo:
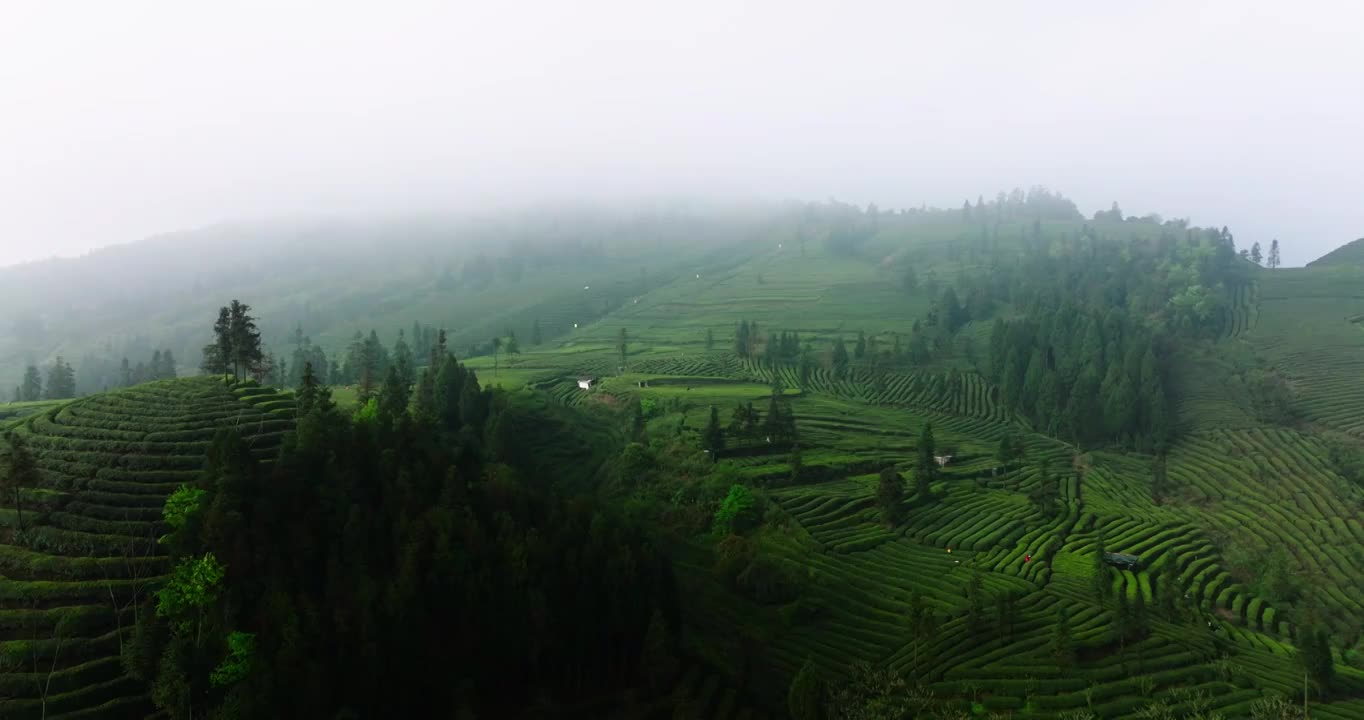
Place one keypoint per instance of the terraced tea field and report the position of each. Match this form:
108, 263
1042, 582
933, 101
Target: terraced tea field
1308, 330
70, 582
1239, 490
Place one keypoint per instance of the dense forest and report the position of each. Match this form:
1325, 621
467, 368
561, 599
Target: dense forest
410, 533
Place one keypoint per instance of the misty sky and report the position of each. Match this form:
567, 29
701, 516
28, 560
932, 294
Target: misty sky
123, 119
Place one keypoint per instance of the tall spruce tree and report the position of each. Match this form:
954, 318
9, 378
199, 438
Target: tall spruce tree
22, 473
926, 466
245, 349
32, 387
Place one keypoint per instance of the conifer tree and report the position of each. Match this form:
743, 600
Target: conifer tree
922, 624
32, 388
218, 359
710, 339
244, 340
926, 468
741, 339
535, 337
403, 362
392, 395
22, 472
714, 436
1102, 584
840, 356
805, 699
1062, 644
61, 380
890, 492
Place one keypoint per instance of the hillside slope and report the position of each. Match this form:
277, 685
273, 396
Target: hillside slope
1249, 498
1351, 253
72, 579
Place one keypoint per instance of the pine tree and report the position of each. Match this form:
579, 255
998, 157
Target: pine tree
312, 394
840, 356
926, 468
805, 367
922, 624
1153, 393
805, 699
975, 601
860, 349
772, 353
1168, 591
366, 368
449, 395
1004, 452
890, 492
393, 395
637, 421
1032, 382
125, 373
423, 401
1006, 613
1103, 586
404, 362
710, 339
1160, 481
1062, 644
1314, 654
156, 365
1255, 255
513, 347
741, 339
1274, 253
33, 384
714, 436
950, 307
245, 348
659, 661
22, 472
1043, 495
61, 380
535, 337
168, 369
219, 359
1011, 384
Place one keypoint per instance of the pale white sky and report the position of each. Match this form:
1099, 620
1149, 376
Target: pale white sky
123, 119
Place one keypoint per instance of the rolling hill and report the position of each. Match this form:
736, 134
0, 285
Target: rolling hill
1248, 523
72, 578
1348, 254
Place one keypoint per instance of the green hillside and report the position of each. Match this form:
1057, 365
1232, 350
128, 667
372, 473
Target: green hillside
1252, 496
86, 555
763, 403
1348, 254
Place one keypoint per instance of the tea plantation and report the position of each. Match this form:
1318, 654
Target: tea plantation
1249, 500
986, 588
72, 578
